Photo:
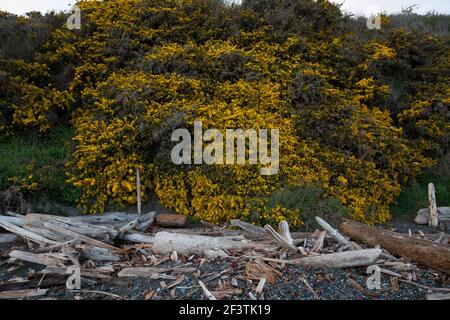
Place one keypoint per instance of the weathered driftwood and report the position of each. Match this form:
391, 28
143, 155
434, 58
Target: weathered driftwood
88, 273
8, 237
151, 272
166, 243
250, 230
145, 272
21, 294
280, 239
117, 219
98, 254
170, 220
422, 215
21, 232
333, 232
207, 293
81, 237
438, 296
345, 259
319, 243
433, 212
17, 221
425, 252
43, 258
22, 284
283, 228
136, 237
93, 231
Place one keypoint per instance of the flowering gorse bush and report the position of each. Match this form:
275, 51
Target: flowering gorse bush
137, 70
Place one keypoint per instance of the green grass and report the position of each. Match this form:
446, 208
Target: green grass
312, 202
414, 195
43, 157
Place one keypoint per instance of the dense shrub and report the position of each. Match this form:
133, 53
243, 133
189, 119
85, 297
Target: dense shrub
358, 112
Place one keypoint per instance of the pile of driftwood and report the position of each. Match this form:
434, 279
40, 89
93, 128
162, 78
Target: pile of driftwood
121, 245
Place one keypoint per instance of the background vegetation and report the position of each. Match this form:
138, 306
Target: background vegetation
363, 114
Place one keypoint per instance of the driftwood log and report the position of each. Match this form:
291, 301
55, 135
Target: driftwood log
425, 252
186, 244
346, 259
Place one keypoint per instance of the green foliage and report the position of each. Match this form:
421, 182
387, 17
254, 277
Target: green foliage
35, 164
310, 201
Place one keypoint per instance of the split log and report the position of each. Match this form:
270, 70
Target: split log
43, 259
21, 294
425, 252
166, 243
422, 215
433, 213
21, 232
170, 220
8, 238
250, 230
345, 259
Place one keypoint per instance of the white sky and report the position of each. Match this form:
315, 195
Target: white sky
357, 7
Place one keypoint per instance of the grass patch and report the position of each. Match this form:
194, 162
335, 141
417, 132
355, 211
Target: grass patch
312, 202
35, 163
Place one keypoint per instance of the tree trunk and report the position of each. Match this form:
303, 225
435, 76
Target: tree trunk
425, 252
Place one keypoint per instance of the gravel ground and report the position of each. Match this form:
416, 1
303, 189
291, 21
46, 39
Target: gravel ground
291, 284
328, 284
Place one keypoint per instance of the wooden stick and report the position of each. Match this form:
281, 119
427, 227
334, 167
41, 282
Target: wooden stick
138, 190
207, 293
333, 232
260, 286
433, 220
